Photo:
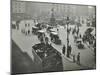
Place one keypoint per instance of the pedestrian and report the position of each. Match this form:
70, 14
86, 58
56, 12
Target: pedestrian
78, 58
28, 32
75, 38
57, 29
17, 24
73, 58
80, 36
28, 29
25, 29
70, 49
25, 25
67, 40
46, 40
63, 49
77, 31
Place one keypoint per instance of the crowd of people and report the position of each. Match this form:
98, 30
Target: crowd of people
80, 39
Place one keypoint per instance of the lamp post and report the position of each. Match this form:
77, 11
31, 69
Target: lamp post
67, 22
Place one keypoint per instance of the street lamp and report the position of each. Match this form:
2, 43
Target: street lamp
67, 22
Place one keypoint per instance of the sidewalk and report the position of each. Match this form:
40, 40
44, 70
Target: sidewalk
21, 62
24, 42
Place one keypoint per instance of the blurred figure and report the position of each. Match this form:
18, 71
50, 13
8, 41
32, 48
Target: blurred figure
28, 29
70, 49
73, 58
63, 49
78, 58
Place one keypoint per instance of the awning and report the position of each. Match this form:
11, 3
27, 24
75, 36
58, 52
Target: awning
42, 31
34, 27
54, 29
54, 33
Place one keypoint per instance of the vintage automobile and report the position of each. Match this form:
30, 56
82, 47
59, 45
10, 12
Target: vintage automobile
55, 38
79, 44
34, 29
